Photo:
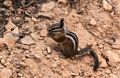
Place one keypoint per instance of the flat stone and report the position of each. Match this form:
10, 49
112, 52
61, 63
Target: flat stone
27, 40
46, 15
48, 7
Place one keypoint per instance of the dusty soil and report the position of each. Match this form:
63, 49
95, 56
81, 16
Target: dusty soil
27, 52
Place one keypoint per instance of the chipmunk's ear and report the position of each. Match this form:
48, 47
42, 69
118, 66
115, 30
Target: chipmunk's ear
61, 23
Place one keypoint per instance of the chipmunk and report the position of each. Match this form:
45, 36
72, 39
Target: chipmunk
69, 42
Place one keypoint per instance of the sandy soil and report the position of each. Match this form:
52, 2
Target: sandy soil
27, 52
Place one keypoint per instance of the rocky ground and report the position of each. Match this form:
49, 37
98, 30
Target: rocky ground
27, 52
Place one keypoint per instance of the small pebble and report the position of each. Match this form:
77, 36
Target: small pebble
101, 46
43, 32
64, 2
20, 74
49, 50
3, 61
73, 74
48, 56
1, 57
34, 19
92, 21
37, 56
106, 5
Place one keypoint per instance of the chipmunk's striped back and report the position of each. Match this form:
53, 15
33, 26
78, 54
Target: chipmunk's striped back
73, 37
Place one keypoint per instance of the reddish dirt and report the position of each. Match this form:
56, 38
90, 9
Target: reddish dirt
34, 55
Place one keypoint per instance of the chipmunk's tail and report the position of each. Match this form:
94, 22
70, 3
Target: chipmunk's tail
90, 51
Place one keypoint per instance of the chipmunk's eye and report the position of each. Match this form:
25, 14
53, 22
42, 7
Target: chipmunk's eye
50, 30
